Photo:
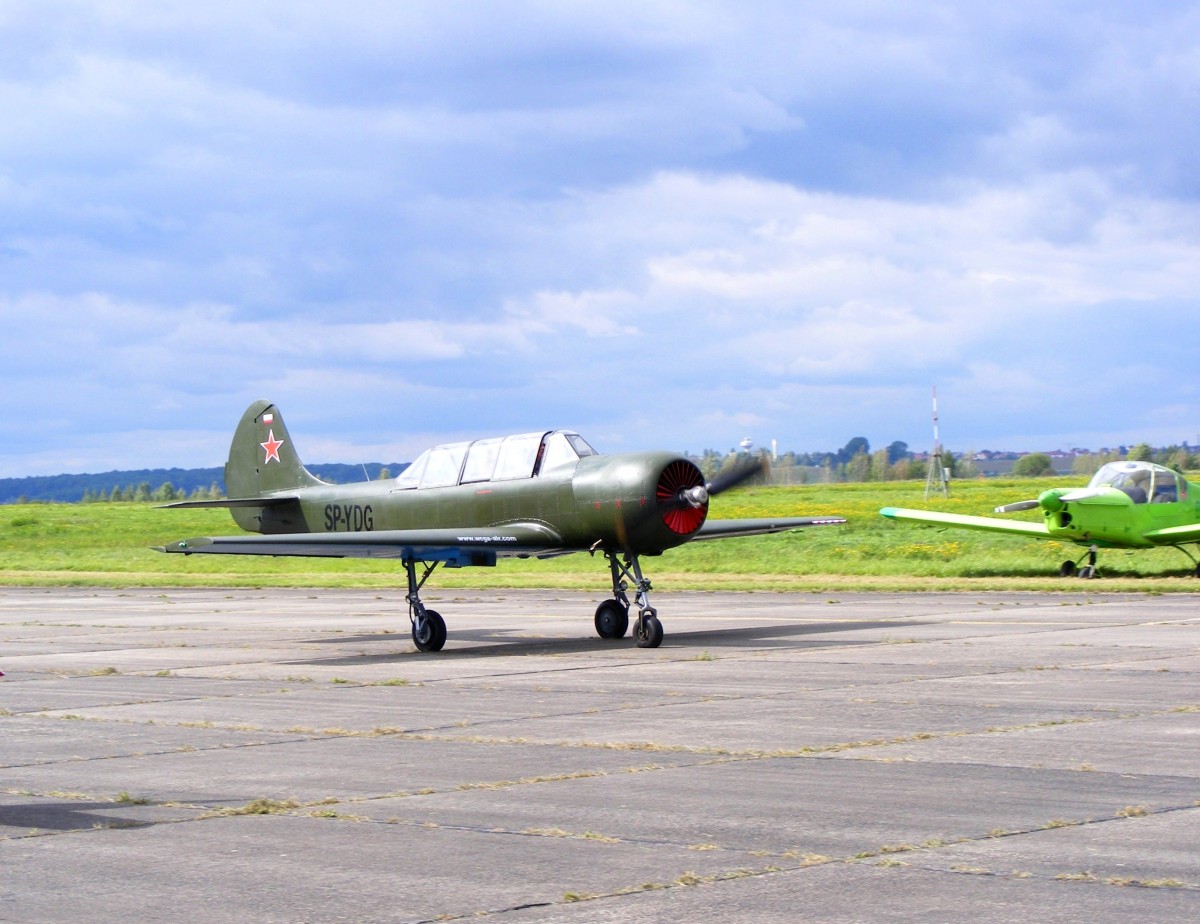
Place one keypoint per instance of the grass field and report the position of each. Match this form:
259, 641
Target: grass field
109, 545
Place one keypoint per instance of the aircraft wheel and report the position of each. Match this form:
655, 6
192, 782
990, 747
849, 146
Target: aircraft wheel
429, 634
1198, 571
1066, 569
612, 619
1087, 572
650, 635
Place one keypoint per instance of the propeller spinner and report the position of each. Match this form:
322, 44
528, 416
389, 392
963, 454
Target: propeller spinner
698, 495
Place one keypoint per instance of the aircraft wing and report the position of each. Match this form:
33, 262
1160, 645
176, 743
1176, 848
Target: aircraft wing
455, 547
963, 521
1175, 535
725, 529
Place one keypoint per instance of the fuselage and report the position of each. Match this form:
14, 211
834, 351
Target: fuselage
623, 502
1121, 504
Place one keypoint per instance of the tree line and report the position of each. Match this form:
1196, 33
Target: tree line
855, 461
159, 485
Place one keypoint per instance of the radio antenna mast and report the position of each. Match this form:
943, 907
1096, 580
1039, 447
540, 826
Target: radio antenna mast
938, 478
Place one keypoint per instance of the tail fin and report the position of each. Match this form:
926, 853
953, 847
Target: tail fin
262, 456
262, 471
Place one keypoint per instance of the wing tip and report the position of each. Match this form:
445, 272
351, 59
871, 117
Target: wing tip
184, 546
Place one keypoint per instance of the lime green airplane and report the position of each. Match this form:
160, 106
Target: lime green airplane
1126, 505
537, 495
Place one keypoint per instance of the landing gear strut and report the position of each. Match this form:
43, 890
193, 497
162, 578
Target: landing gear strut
428, 627
1192, 558
1069, 568
612, 616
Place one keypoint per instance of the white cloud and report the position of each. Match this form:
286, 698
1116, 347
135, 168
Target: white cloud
650, 221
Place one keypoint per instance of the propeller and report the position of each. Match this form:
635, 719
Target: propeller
698, 495
1053, 500
1019, 505
1083, 494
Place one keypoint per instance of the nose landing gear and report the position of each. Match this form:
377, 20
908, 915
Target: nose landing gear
612, 616
1071, 568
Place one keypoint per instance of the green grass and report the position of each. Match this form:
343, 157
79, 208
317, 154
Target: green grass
109, 545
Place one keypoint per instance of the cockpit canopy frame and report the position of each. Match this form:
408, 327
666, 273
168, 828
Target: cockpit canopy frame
508, 458
1144, 482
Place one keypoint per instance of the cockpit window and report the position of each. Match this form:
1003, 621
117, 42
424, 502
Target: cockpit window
579, 444
561, 448
557, 451
1166, 487
481, 460
411, 476
1142, 481
500, 459
517, 456
444, 465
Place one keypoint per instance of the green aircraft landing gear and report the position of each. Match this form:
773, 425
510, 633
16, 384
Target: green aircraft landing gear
1088, 571
428, 627
612, 616
1191, 558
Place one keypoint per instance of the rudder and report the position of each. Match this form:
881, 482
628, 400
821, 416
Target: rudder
262, 456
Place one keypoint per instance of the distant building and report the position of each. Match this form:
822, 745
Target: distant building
997, 464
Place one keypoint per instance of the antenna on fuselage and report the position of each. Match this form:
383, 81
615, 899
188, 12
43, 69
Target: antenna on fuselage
938, 478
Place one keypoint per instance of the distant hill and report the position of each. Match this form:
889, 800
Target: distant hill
186, 481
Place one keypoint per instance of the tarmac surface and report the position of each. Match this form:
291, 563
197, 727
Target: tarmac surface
287, 756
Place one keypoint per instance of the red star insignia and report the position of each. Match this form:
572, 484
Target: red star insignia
271, 446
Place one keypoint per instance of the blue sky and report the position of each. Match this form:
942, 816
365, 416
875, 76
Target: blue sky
665, 225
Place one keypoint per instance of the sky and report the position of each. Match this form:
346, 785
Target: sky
666, 225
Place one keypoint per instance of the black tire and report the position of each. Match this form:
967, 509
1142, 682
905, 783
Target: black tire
1066, 569
1087, 572
651, 633
431, 634
612, 619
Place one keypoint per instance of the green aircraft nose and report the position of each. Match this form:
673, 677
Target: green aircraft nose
1051, 501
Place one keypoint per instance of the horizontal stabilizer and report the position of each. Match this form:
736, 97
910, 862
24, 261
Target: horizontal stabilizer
226, 502
963, 521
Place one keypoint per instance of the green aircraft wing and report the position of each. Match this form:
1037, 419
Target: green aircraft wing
1174, 535
963, 521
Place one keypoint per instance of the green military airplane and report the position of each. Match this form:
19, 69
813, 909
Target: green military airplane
467, 504
1126, 505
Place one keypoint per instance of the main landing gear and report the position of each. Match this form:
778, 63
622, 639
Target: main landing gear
612, 616
1191, 558
428, 627
1069, 568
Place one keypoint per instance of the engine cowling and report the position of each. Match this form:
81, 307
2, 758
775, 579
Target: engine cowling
643, 503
